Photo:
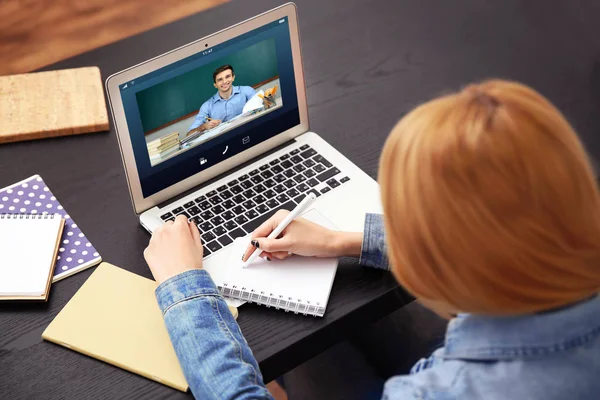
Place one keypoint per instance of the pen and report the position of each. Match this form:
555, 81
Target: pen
304, 204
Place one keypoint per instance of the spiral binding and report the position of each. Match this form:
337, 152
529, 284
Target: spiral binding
272, 300
27, 216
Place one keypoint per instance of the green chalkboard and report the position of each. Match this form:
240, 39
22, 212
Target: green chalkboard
184, 94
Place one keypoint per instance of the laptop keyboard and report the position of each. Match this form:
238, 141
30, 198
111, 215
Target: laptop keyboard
238, 207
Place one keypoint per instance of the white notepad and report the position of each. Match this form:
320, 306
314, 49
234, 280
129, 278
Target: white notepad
28, 251
298, 284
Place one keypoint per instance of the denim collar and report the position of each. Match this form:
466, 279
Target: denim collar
217, 96
478, 337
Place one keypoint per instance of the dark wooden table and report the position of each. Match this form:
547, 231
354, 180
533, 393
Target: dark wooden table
367, 63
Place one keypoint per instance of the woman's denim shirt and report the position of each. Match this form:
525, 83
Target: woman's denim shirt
551, 355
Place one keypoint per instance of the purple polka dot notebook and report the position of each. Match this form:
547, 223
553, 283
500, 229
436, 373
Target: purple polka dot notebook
32, 196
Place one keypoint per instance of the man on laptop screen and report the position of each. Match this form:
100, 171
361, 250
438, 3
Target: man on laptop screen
226, 104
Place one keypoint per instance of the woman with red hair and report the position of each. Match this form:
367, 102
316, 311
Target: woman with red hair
491, 218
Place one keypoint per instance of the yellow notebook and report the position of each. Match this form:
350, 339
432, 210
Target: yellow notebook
114, 317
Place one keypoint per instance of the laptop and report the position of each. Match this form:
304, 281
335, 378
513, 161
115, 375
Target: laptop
217, 130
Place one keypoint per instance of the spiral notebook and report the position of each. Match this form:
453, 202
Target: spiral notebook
298, 284
32, 196
28, 248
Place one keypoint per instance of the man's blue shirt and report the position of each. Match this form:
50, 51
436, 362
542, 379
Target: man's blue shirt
218, 108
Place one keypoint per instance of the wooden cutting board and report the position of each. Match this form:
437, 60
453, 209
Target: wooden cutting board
53, 103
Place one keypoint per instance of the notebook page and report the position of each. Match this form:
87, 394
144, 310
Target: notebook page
27, 249
299, 278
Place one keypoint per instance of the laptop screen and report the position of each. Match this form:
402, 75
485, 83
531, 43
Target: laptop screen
190, 115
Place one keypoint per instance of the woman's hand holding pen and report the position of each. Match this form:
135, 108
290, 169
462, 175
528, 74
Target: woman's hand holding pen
304, 238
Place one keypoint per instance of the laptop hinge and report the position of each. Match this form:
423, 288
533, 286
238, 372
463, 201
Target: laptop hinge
229, 172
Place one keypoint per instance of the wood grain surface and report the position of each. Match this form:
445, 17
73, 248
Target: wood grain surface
367, 62
52, 103
35, 33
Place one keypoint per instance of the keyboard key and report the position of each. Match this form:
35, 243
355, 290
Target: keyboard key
319, 168
276, 169
240, 219
185, 214
196, 220
226, 194
299, 168
344, 179
308, 163
294, 152
238, 210
239, 199
325, 190
309, 173
269, 194
225, 240
219, 231
253, 172
275, 161
279, 189
304, 147
236, 233
282, 198
166, 216
259, 188
262, 208
259, 199
298, 199
227, 215
200, 199
217, 220
230, 225
217, 209
289, 173
205, 226
314, 191
257, 179
222, 188
251, 214
279, 178
284, 157
313, 182
171, 219
290, 183
208, 236
293, 193
232, 183
296, 159
249, 193
272, 203
264, 167
287, 164
330, 173
237, 189
243, 177
213, 246
333, 183
194, 210
249, 204
267, 174
177, 210
211, 193
205, 205
323, 161
308, 153
189, 204
247, 184
299, 178
269, 183
207, 215
228, 204
205, 251
255, 223
215, 200
303, 187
